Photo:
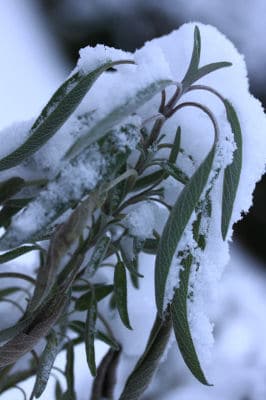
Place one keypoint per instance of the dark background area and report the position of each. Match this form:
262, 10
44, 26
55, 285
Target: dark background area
77, 23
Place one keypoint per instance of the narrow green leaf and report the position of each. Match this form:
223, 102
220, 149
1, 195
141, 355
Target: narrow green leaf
151, 246
176, 147
90, 335
232, 171
69, 372
143, 372
77, 327
58, 391
100, 292
98, 255
10, 187
181, 325
176, 224
46, 364
107, 340
195, 58
116, 115
7, 291
207, 69
120, 290
148, 180
56, 112
12, 254
173, 171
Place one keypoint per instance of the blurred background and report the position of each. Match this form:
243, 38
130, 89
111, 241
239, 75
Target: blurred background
39, 44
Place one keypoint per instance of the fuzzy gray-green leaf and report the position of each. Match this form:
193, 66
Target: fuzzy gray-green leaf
56, 112
90, 335
120, 290
100, 291
195, 59
181, 325
19, 251
145, 368
116, 115
176, 224
46, 363
232, 171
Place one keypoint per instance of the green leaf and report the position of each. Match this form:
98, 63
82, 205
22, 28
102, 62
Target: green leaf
12, 254
207, 69
46, 364
90, 335
120, 291
195, 58
232, 171
7, 291
176, 224
174, 171
98, 255
116, 115
55, 113
194, 73
69, 372
181, 325
10, 187
107, 340
176, 147
145, 368
100, 293
148, 180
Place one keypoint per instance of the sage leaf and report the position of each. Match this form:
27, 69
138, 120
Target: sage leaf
176, 147
143, 372
90, 335
10, 187
98, 255
176, 224
107, 340
100, 293
120, 291
116, 115
195, 59
55, 113
69, 372
12, 254
46, 363
181, 326
232, 171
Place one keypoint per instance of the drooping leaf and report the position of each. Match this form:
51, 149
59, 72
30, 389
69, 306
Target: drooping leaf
55, 113
143, 372
100, 292
137, 99
181, 326
90, 331
12, 254
176, 224
120, 291
46, 363
232, 171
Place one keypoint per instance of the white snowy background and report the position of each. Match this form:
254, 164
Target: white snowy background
31, 68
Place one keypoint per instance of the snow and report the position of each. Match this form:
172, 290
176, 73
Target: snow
93, 57
144, 218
